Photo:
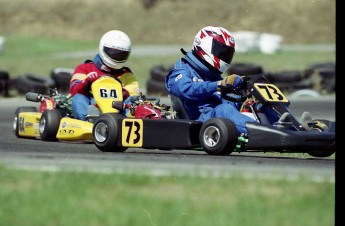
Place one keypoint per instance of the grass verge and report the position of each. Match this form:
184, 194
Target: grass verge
75, 198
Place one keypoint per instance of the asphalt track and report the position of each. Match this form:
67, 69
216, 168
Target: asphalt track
34, 154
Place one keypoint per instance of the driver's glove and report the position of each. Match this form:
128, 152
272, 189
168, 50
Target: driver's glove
233, 82
91, 77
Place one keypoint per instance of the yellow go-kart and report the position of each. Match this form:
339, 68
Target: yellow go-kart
54, 119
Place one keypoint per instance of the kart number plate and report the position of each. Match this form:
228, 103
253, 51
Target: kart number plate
132, 132
270, 92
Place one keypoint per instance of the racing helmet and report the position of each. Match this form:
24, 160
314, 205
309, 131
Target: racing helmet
216, 46
114, 48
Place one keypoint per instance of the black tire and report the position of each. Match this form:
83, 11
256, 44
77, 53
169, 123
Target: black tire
33, 83
286, 76
244, 69
318, 66
16, 121
156, 88
159, 72
329, 85
4, 83
62, 78
328, 80
218, 136
4, 75
322, 125
106, 132
49, 125
327, 73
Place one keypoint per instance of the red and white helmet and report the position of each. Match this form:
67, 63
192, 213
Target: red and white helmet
216, 46
114, 48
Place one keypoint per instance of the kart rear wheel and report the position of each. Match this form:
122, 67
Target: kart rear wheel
106, 132
16, 121
218, 136
49, 125
321, 125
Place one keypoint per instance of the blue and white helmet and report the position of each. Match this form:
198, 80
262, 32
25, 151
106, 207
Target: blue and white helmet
216, 46
114, 48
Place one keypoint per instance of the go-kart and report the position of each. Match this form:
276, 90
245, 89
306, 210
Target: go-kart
54, 119
219, 136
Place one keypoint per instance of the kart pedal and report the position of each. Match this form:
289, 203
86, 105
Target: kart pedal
305, 120
284, 120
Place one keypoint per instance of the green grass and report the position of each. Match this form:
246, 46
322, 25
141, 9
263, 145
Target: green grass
74, 198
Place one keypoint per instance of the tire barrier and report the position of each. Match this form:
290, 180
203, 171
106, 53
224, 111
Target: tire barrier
319, 77
62, 77
315, 68
154, 87
244, 69
327, 80
323, 75
156, 83
33, 83
4, 83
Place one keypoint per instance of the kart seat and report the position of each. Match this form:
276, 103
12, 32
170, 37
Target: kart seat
178, 107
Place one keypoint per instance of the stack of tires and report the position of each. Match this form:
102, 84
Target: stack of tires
291, 80
33, 83
244, 69
59, 78
156, 83
317, 78
62, 77
4, 83
325, 74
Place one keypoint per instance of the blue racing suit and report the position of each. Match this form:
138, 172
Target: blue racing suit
196, 85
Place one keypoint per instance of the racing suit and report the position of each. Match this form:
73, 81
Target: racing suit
80, 91
196, 85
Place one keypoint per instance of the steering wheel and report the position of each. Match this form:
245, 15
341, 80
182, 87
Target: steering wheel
234, 96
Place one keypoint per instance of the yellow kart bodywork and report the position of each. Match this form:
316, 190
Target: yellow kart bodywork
69, 128
28, 123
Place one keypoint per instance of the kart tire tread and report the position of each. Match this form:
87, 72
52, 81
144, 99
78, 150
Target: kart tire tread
228, 136
52, 122
113, 122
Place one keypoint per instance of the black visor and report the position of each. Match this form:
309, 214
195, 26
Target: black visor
116, 55
223, 52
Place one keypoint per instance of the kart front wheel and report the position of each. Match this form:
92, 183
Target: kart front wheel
17, 123
49, 125
322, 125
106, 132
218, 136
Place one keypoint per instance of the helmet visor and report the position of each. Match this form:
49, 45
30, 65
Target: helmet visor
116, 55
223, 52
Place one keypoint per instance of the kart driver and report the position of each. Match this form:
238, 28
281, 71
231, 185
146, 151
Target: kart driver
114, 50
197, 79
